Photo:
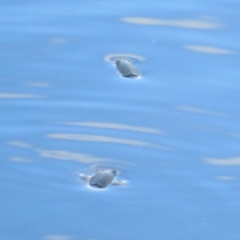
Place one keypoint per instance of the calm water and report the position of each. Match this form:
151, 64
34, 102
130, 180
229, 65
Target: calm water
174, 133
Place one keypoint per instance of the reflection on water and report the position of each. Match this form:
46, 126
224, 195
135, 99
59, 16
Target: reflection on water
18, 95
58, 237
71, 156
183, 23
224, 161
38, 84
56, 154
207, 49
217, 130
20, 144
200, 111
114, 126
104, 139
225, 178
20, 159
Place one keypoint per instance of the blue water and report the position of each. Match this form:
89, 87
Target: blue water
174, 133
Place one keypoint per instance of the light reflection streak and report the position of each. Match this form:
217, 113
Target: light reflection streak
56, 154
114, 126
18, 95
224, 161
199, 110
104, 139
217, 130
38, 84
20, 144
20, 160
71, 156
57, 237
225, 178
207, 49
183, 23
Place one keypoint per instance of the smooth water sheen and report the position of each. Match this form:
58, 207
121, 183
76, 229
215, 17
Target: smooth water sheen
173, 134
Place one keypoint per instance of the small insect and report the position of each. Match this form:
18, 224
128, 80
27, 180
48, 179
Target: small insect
102, 179
127, 69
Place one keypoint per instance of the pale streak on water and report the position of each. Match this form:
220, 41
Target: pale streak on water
208, 49
115, 126
182, 23
18, 95
224, 161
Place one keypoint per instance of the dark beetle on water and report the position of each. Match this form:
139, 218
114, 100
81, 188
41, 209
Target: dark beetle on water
127, 69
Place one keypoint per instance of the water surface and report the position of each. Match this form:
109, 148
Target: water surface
174, 133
